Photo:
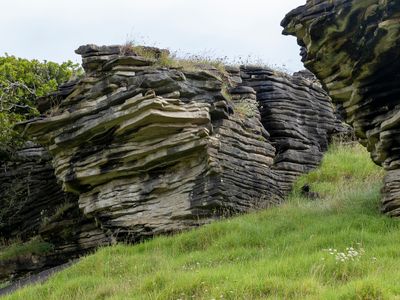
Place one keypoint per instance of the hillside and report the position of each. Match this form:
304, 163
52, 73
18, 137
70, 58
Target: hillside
284, 252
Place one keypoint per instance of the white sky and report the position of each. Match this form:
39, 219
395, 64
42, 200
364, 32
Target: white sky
53, 29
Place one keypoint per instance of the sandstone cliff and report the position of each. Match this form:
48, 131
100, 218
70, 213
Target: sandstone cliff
353, 48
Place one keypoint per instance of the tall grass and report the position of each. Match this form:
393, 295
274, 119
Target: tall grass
171, 60
280, 253
35, 246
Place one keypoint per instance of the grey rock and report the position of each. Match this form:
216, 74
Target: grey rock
353, 48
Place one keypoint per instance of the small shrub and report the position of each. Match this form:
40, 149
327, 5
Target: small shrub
16, 248
246, 108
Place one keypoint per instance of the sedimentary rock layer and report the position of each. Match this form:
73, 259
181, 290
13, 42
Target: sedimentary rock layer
353, 48
28, 192
297, 113
152, 149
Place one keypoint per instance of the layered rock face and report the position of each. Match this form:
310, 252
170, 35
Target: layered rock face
297, 113
28, 192
152, 148
33, 204
353, 48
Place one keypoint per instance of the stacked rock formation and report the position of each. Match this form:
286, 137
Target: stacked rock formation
297, 113
152, 149
353, 48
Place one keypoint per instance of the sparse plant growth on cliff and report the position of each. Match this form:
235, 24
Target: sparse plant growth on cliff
189, 62
225, 93
282, 252
246, 108
166, 58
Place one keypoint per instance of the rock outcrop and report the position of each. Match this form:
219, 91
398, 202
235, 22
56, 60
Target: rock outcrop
153, 148
353, 48
297, 113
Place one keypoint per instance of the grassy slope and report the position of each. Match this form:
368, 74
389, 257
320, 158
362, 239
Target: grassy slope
278, 253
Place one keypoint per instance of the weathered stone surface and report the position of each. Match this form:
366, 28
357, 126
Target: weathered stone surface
151, 150
298, 115
353, 48
47, 103
156, 150
32, 204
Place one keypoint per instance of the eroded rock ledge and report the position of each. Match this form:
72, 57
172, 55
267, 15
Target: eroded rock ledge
153, 149
353, 47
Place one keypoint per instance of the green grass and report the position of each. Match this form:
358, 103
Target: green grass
280, 253
35, 246
246, 109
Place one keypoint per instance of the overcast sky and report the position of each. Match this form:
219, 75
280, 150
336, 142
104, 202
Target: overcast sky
53, 29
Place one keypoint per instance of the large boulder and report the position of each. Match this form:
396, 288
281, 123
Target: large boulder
353, 47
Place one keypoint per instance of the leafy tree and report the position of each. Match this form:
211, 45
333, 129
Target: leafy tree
22, 81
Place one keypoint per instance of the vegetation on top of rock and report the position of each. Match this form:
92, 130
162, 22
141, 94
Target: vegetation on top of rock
166, 58
22, 81
338, 247
150, 150
171, 59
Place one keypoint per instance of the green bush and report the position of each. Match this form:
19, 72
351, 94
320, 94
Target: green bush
22, 81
